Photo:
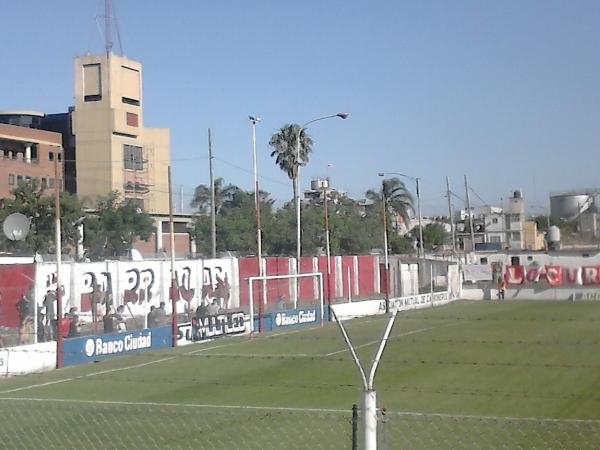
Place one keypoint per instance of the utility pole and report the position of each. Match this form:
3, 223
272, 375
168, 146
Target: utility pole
58, 245
448, 193
327, 248
385, 248
470, 215
173, 277
213, 212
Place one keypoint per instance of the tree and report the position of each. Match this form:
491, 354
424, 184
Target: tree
115, 226
284, 144
223, 194
434, 235
399, 202
236, 223
29, 198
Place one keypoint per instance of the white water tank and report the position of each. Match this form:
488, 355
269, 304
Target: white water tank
319, 184
553, 234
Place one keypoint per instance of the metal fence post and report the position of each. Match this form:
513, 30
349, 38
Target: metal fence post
354, 427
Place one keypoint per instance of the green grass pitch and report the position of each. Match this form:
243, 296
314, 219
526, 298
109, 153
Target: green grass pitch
467, 375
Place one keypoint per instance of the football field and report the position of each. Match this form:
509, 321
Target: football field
467, 375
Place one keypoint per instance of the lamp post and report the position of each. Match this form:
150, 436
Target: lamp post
254, 121
342, 115
385, 248
417, 181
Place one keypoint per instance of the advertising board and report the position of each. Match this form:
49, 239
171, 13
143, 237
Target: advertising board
95, 348
296, 317
212, 326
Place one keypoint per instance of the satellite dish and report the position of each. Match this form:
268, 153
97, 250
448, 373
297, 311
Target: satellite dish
16, 227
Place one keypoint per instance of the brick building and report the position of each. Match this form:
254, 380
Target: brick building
26, 151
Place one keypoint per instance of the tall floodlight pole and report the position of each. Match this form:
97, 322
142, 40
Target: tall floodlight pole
417, 181
385, 247
254, 121
342, 115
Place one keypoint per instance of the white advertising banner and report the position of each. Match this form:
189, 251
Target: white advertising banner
477, 272
27, 359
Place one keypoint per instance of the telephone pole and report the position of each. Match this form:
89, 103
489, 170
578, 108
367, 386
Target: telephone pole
448, 194
213, 211
470, 215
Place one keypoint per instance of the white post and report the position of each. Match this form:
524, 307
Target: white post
251, 300
80, 232
370, 419
431, 282
28, 154
349, 287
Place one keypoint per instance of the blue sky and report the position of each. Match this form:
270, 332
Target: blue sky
505, 92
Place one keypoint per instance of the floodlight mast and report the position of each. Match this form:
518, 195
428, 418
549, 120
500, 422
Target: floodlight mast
369, 394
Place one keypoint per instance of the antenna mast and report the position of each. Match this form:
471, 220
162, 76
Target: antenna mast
108, 43
110, 24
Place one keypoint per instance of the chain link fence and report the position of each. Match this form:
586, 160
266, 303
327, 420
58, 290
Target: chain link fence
35, 424
439, 431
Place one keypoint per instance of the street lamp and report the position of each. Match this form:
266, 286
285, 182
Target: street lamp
385, 248
417, 181
254, 121
342, 115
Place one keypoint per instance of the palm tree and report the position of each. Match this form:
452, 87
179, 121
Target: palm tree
399, 201
223, 195
284, 144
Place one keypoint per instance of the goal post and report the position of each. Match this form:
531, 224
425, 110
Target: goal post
284, 292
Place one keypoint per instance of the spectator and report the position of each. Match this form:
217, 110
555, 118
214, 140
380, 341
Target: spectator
120, 320
25, 308
281, 303
161, 314
64, 325
213, 308
75, 324
41, 335
108, 321
202, 310
50, 322
152, 317
501, 288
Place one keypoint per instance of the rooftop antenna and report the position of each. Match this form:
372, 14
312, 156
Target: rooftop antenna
108, 43
110, 22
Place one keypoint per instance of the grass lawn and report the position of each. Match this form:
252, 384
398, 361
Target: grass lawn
467, 375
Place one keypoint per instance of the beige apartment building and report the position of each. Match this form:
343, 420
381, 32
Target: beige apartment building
114, 150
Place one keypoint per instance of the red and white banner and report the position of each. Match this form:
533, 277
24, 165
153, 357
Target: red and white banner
553, 275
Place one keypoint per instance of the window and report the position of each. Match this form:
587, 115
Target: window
44, 183
59, 155
483, 260
495, 220
515, 217
50, 182
130, 101
92, 83
51, 156
133, 157
494, 238
19, 178
132, 119
11, 179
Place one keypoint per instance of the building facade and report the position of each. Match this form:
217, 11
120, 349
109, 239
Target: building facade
114, 152
27, 152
